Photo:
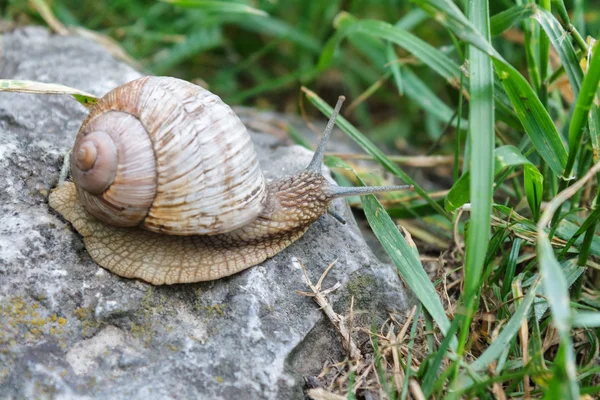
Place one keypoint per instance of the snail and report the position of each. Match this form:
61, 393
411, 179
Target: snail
167, 187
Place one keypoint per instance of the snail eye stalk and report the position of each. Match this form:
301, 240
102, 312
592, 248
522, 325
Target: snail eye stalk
335, 192
344, 191
317, 160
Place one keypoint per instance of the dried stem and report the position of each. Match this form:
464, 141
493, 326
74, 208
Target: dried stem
338, 321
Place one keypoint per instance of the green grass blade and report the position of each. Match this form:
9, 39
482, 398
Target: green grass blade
533, 182
559, 39
196, 42
556, 288
412, 19
218, 6
566, 229
591, 219
594, 123
509, 331
559, 7
583, 106
587, 319
22, 86
504, 157
481, 137
511, 266
270, 26
394, 67
272, 85
378, 364
507, 18
543, 54
554, 32
429, 55
411, 85
481, 141
370, 148
427, 383
529, 109
504, 108
530, 44
404, 257
534, 117
555, 284
419, 92
351, 379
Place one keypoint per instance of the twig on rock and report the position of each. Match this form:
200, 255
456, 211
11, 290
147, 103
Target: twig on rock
338, 321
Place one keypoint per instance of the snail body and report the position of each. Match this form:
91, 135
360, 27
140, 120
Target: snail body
167, 188
167, 259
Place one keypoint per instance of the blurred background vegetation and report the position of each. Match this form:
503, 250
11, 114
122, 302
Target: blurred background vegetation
263, 60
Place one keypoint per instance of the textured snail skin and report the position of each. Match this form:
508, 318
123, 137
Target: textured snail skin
292, 204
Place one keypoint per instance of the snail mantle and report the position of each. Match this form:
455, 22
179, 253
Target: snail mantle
75, 330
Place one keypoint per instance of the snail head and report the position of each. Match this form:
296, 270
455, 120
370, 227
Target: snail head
311, 193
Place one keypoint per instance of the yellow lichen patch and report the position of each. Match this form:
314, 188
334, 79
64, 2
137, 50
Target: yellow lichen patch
4, 373
214, 310
172, 347
209, 311
142, 332
25, 322
86, 316
81, 313
151, 316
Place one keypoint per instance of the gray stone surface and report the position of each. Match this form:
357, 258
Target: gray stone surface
70, 329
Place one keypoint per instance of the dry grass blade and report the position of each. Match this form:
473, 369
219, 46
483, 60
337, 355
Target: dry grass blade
322, 394
398, 373
395, 343
556, 285
46, 13
415, 390
565, 195
524, 338
112, 46
337, 320
498, 391
410, 161
23, 86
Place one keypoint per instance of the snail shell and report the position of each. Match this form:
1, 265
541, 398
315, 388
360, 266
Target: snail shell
169, 156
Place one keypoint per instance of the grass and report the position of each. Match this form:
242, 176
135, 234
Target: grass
508, 89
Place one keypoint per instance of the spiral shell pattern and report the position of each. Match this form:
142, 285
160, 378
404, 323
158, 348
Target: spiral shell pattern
185, 164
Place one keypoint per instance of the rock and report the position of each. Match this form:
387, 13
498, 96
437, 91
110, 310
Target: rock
71, 329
